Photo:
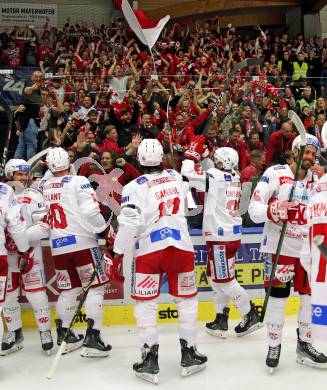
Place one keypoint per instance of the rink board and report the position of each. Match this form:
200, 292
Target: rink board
119, 306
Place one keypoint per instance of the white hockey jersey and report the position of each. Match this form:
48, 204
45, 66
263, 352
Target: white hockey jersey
73, 214
153, 214
221, 219
317, 216
10, 218
276, 182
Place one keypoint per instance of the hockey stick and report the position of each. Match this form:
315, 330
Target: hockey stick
171, 147
62, 347
299, 125
10, 117
319, 241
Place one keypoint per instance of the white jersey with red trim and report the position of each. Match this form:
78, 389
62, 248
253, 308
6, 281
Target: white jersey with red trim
32, 211
276, 182
221, 219
10, 218
317, 215
153, 214
73, 214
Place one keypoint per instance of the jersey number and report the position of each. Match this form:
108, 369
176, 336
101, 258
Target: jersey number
56, 217
170, 207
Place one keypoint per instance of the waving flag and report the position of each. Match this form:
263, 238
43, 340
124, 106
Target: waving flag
146, 30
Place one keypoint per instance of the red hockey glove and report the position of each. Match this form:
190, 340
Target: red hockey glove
197, 149
283, 210
113, 267
26, 261
107, 238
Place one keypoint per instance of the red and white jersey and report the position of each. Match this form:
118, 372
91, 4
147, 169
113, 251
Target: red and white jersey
73, 214
276, 182
153, 214
10, 218
317, 216
31, 204
221, 219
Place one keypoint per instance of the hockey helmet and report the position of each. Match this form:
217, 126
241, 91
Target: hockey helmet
310, 140
16, 165
150, 153
228, 157
57, 160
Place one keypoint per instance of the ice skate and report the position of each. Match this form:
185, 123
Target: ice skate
307, 355
93, 345
46, 341
219, 326
148, 368
73, 342
12, 342
250, 323
272, 359
192, 361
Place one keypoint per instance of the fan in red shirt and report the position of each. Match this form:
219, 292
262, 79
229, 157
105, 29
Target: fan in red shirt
45, 53
236, 143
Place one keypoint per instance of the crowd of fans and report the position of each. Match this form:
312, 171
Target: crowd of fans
105, 92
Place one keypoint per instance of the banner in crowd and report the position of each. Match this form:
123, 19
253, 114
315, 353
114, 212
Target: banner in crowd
26, 14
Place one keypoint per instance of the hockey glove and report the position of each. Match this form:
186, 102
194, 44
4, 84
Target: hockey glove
26, 261
107, 238
278, 210
113, 267
197, 149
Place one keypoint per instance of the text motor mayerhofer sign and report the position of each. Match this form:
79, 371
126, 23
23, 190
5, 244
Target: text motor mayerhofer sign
25, 14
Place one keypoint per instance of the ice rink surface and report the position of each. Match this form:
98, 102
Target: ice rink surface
234, 363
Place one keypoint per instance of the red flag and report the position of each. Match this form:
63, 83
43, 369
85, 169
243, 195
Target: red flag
146, 30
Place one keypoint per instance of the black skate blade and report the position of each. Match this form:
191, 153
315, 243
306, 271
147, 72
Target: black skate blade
93, 353
253, 328
152, 378
48, 352
187, 371
305, 361
221, 334
272, 370
9, 351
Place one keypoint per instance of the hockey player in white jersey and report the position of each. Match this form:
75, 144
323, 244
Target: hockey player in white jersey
269, 204
222, 228
32, 279
10, 220
74, 219
152, 220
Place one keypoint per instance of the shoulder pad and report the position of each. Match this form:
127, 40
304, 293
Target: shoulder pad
141, 180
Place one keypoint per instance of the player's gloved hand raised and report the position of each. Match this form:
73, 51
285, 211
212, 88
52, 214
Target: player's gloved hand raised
113, 267
198, 149
26, 261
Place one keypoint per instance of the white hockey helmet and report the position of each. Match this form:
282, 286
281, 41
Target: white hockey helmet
16, 165
57, 159
150, 153
310, 140
227, 156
